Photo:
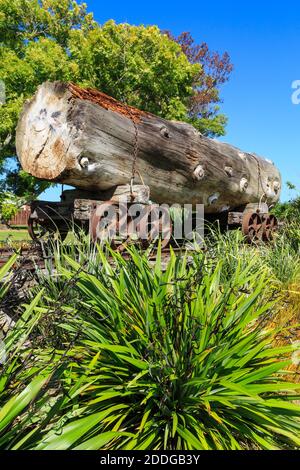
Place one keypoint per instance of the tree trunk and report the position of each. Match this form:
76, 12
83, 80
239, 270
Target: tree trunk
86, 139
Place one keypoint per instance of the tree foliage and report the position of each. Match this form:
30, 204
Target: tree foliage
59, 40
10, 205
136, 64
214, 71
289, 210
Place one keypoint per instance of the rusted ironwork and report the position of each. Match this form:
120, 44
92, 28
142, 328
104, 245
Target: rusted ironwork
252, 226
149, 224
270, 226
49, 220
53, 220
259, 227
44, 230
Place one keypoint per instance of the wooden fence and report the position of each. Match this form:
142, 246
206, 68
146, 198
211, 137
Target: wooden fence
21, 218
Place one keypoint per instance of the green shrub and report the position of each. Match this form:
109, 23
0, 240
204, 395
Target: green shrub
282, 256
177, 359
152, 357
289, 210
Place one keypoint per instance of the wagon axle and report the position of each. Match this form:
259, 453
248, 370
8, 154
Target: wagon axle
121, 220
259, 227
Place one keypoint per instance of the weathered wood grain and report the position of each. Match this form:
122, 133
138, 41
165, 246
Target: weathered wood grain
85, 139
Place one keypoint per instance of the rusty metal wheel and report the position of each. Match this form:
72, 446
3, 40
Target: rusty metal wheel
103, 224
154, 225
252, 227
109, 224
45, 231
121, 227
270, 226
148, 225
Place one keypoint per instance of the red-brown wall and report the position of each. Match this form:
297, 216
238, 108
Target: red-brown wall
22, 217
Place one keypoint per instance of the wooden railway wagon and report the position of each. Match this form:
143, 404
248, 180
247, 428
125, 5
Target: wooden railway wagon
90, 215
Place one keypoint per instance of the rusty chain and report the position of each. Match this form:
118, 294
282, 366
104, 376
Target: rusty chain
135, 147
259, 179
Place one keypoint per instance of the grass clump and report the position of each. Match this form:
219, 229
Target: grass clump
175, 356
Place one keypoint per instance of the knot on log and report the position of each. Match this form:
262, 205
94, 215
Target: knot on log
276, 187
228, 170
165, 132
84, 162
273, 187
213, 199
244, 184
199, 173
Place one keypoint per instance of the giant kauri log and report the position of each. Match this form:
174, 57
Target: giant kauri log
87, 139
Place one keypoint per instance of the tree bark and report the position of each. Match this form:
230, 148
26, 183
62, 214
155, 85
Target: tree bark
86, 139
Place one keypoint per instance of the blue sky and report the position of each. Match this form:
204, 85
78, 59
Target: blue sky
262, 38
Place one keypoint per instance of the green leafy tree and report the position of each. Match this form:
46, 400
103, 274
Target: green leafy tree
136, 64
10, 205
8, 211
34, 37
59, 40
21, 184
289, 210
215, 69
